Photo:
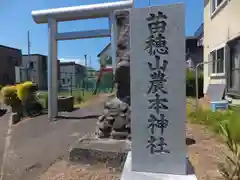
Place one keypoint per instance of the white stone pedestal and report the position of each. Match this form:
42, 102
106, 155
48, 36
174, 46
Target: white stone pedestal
128, 174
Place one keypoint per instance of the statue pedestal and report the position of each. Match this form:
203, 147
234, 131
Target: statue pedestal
94, 150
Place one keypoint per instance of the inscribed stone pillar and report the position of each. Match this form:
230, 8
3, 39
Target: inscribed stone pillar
158, 99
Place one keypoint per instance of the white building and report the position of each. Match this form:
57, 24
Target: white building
71, 74
105, 54
34, 68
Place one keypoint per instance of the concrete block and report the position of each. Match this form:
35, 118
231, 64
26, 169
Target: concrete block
128, 174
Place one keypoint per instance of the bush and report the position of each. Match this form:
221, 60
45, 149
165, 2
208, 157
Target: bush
214, 120
9, 94
24, 89
8, 90
78, 99
230, 170
191, 84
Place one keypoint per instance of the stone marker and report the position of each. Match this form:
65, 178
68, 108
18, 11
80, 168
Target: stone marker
158, 100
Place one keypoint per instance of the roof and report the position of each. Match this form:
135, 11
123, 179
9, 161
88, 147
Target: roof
192, 38
67, 63
70, 63
103, 50
10, 48
187, 38
199, 32
34, 55
80, 12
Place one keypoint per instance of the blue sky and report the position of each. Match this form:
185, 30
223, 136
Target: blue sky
16, 20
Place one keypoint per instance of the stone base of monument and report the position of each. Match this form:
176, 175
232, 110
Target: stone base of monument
128, 174
95, 150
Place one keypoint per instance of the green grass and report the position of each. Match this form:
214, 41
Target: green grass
80, 96
213, 120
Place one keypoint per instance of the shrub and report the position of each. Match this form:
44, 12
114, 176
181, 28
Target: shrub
24, 89
234, 125
191, 84
230, 170
214, 120
9, 94
78, 99
45, 101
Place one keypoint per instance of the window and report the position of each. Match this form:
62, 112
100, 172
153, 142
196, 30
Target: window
31, 65
217, 57
215, 4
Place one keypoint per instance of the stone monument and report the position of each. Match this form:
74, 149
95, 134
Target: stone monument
158, 99
115, 121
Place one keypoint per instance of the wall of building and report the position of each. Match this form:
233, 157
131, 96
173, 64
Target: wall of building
106, 53
71, 74
30, 73
9, 58
80, 73
67, 75
194, 52
37, 72
219, 28
42, 69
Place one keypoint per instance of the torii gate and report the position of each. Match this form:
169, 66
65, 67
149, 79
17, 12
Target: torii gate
53, 16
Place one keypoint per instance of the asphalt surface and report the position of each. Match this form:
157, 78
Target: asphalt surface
3, 133
35, 144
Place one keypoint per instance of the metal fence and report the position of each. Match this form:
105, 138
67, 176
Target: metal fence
68, 81
88, 83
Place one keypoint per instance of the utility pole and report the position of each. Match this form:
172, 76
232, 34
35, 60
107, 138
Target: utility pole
85, 56
90, 63
85, 76
86, 61
29, 46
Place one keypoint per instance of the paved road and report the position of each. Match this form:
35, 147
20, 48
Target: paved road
37, 143
3, 134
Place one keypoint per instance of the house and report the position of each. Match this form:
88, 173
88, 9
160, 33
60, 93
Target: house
194, 51
222, 45
194, 48
34, 68
9, 59
105, 53
71, 74
105, 58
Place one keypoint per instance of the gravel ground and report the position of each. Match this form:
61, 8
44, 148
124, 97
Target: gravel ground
62, 170
207, 153
204, 155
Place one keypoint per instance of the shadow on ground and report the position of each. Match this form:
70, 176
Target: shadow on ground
78, 117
